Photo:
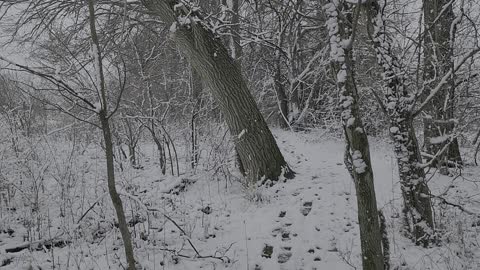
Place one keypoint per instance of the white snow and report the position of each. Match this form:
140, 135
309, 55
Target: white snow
310, 221
358, 164
350, 121
240, 135
58, 69
342, 76
439, 139
173, 27
394, 130
98, 106
178, 6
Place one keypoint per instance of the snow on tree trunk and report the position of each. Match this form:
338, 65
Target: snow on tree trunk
357, 152
398, 103
257, 148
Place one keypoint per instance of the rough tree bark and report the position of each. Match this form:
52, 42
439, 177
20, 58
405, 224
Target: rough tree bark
254, 142
107, 135
342, 34
398, 101
438, 60
236, 52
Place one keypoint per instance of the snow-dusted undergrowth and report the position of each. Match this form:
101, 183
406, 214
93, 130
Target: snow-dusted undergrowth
309, 222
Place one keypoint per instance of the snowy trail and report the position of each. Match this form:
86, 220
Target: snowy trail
310, 222
306, 223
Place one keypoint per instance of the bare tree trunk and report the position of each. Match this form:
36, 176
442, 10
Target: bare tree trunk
280, 89
162, 158
196, 89
438, 60
115, 197
132, 141
282, 98
236, 48
160, 147
342, 32
254, 142
398, 105
107, 135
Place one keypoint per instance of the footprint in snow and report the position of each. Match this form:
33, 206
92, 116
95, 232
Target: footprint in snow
276, 231
267, 251
285, 254
282, 231
307, 207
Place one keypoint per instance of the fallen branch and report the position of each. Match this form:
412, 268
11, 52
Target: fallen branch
91, 206
38, 245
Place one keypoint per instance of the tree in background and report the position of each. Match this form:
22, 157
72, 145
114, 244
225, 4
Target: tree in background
287, 37
439, 115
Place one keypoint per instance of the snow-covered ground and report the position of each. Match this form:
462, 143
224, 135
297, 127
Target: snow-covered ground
306, 223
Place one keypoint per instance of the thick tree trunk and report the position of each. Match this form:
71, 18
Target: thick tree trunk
398, 104
357, 152
254, 142
438, 60
236, 53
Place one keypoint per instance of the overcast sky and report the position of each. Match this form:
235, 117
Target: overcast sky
11, 50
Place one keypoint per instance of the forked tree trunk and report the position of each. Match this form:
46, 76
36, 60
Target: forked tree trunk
132, 137
162, 159
398, 104
438, 60
254, 142
357, 153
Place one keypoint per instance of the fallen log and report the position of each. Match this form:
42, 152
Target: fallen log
39, 245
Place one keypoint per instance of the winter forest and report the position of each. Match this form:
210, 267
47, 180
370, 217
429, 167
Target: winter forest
239, 134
